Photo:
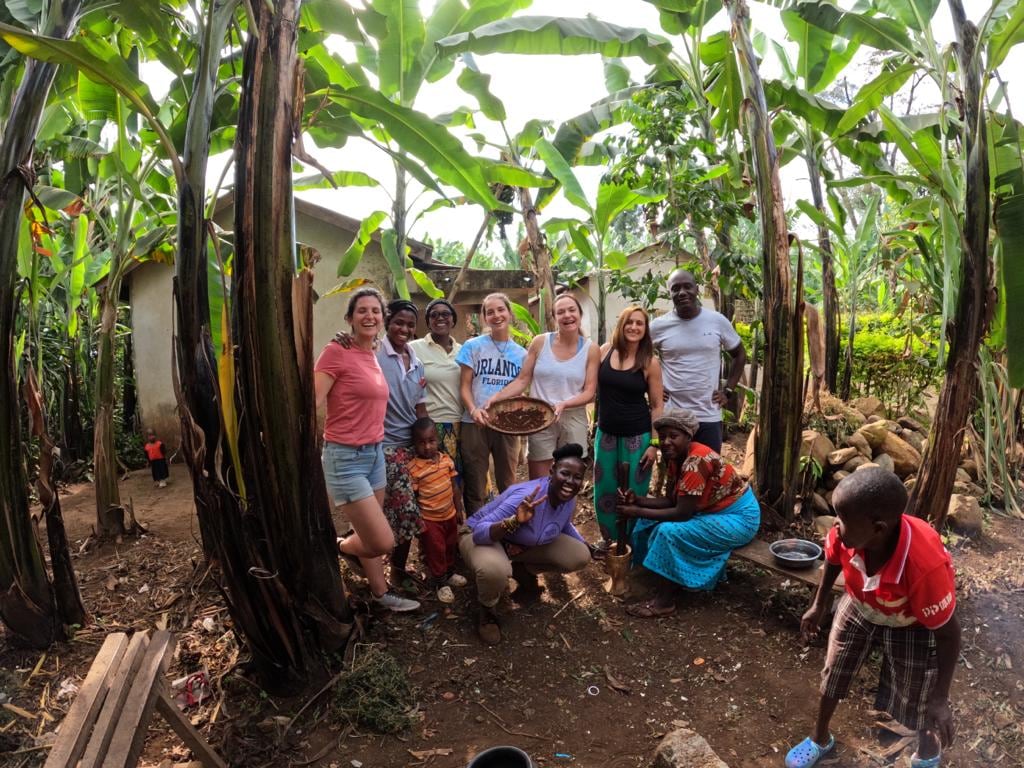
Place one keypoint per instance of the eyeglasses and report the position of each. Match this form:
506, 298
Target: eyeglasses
439, 316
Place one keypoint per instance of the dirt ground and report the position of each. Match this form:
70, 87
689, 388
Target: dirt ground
575, 681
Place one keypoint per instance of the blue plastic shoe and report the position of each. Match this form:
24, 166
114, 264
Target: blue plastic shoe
925, 762
808, 752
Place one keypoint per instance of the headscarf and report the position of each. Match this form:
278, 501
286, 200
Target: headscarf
441, 302
681, 419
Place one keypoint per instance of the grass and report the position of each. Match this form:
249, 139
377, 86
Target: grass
375, 693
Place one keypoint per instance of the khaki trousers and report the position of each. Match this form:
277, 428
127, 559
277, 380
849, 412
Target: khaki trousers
479, 444
492, 567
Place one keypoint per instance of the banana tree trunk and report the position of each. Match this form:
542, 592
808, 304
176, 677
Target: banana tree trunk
930, 496
27, 606
282, 572
851, 333
541, 260
779, 420
129, 395
109, 512
196, 384
830, 297
65, 584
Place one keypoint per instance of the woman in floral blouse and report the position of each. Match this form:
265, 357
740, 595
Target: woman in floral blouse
687, 537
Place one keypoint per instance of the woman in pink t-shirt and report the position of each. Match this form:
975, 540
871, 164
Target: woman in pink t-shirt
349, 382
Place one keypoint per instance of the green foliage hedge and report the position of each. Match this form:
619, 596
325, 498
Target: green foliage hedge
892, 360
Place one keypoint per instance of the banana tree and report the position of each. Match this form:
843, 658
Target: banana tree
777, 449
396, 47
821, 57
270, 534
857, 259
589, 236
27, 605
951, 159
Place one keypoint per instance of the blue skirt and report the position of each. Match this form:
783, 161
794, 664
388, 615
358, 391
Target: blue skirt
693, 553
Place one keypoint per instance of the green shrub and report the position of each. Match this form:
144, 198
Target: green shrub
890, 363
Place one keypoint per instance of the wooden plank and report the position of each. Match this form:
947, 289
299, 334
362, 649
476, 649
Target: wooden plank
194, 740
758, 553
126, 745
110, 715
74, 730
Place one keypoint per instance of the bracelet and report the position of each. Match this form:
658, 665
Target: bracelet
510, 524
655, 441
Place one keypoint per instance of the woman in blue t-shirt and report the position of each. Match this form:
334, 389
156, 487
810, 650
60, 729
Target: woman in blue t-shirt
488, 363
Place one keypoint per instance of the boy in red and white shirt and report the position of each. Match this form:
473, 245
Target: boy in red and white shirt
899, 591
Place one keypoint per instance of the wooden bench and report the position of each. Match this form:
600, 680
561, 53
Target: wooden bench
758, 553
107, 723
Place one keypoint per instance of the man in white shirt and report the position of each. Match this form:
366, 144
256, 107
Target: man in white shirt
690, 341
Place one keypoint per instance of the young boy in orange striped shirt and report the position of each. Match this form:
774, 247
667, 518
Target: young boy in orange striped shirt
440, 501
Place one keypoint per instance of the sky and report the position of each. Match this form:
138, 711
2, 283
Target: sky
556, 88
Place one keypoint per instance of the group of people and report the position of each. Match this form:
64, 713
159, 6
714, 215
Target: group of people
409, 449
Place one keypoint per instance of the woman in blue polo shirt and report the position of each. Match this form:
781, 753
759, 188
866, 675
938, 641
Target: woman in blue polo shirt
407, 401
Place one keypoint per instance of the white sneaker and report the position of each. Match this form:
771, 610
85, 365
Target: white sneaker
456, 580
162, 484
445, 595
393, 602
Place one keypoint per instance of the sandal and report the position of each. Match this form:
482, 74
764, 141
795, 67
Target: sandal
649, 611
925, 762
808, 752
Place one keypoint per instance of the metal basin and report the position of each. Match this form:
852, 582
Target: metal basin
795, 553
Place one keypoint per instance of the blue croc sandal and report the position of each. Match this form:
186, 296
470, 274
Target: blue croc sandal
926, 762
808, 752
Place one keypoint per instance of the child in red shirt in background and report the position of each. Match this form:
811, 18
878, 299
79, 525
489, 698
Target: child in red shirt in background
900, 592
154, 449
440, 501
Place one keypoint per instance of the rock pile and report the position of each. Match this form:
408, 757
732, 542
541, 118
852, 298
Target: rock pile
875, 440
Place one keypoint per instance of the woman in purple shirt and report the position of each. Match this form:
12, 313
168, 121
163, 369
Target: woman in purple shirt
525, 531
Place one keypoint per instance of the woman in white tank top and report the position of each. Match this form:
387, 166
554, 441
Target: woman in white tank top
560, 369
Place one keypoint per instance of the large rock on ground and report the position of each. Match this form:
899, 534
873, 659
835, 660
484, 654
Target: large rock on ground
833, 480
858, 441
970, 467
908, 423
874, 433
852, 464
841, 456
684, 748
904, 455
885, 461
965, 515
819, 505
869, 406
817, 446
823, 524
915, 439
962, 475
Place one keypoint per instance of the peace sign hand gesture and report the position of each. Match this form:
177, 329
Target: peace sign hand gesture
524, 512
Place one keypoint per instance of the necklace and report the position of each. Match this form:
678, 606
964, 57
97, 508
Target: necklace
501, 349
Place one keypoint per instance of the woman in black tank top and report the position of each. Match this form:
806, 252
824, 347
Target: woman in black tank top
629, 399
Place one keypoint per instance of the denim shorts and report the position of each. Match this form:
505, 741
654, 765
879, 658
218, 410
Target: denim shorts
353, 472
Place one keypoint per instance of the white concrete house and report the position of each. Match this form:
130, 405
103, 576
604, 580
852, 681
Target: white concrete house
149, 290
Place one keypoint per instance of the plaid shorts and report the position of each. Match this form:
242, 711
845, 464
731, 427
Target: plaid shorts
909, 665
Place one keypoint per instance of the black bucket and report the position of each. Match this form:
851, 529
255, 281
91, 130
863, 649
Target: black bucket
502, 757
